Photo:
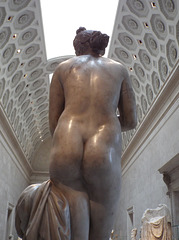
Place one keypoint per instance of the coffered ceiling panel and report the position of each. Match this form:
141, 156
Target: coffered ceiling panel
146, 41
24, 78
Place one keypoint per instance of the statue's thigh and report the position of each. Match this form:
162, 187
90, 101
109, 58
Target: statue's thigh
101, 166
101, 171
66, 156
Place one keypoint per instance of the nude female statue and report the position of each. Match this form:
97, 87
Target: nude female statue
85, 163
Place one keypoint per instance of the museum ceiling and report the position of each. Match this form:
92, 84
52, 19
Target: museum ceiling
145, 39
24, 80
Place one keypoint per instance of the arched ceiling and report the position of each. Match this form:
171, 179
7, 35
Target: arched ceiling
24, 72
145, 39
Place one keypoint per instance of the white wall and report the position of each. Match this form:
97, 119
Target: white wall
142, 184
40, 162
14, 176
41, 158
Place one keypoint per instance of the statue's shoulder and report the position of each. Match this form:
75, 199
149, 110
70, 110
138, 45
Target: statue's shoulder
66, 62
116, 63
64, 65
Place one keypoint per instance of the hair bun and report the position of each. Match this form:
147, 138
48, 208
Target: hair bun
86, 40
80, 29
99, 40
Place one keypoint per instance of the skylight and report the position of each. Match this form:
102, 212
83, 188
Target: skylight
61, 19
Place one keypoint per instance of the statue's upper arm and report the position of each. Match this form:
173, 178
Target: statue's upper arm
127, 105
56, 100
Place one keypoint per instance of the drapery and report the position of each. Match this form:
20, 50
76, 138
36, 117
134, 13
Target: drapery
42, 213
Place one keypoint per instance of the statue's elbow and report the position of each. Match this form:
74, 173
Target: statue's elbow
134, 123
133, 126
52, 128
128, 123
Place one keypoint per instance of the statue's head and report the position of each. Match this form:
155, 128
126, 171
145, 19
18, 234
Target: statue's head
87, 41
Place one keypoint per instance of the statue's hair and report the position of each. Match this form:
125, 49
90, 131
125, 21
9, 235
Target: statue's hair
86, 39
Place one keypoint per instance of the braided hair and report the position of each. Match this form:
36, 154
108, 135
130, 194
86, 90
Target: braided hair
86, 39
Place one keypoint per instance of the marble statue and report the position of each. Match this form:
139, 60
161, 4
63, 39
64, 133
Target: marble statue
156, 224
113, 236
133, 234
79, 201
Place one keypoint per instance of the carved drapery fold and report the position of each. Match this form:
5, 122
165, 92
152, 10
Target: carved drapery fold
42, 213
